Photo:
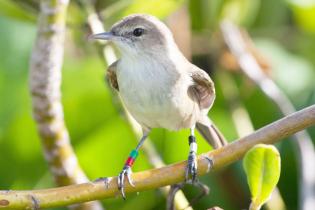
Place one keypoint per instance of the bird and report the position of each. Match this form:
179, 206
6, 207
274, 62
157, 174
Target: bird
159, 87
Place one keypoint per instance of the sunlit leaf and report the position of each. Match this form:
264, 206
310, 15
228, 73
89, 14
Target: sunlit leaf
241, 11
302, 3
262, 167
304, 14
11, 9
158, 8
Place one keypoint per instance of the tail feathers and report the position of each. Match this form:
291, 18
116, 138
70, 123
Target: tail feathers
212, 135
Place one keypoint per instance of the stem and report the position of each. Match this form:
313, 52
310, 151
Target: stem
45, 81
254, 206
152, 179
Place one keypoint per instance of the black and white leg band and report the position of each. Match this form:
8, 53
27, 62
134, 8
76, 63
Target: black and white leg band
192, 144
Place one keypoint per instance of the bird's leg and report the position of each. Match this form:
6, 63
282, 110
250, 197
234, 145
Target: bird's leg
127, 167
191, 168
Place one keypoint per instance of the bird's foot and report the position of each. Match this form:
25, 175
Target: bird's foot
191, 168
121, 177
210, 162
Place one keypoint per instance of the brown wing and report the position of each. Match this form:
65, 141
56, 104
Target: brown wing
203, 89
204, 93
111, 75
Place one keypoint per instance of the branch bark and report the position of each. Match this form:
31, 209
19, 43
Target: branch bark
155, 178
45, 81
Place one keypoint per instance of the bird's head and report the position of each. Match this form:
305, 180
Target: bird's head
138, 34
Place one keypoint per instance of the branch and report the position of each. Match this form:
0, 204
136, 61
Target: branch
155, 178
240, 44
45, 80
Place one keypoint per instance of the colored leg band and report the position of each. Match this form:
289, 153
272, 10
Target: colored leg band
132, 157
193, 147
192, 144
192, 139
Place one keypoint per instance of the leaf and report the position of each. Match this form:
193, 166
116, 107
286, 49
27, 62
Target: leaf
158, 8
13, 10
304, 14
241, 11
262, 167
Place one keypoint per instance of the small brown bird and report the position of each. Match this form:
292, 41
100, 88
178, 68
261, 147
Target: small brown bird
159, 86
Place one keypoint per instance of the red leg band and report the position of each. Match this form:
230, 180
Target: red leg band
129, 161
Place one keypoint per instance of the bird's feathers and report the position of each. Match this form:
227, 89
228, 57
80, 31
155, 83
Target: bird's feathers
202, 89
211, 134
111, 75
157, 84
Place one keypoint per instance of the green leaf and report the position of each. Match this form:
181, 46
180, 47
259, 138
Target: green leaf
241, 11
262, 167
13, 10
158, 8
304, 14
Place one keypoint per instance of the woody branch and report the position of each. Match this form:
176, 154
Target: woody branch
45, 81
152, 179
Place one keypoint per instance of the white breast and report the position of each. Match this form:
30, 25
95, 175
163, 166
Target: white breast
155, 95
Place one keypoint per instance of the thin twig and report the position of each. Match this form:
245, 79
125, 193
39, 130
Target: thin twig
168, 175
171, 196
45, 80
238, 44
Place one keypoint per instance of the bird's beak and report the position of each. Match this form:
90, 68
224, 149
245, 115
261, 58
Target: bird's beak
103, 36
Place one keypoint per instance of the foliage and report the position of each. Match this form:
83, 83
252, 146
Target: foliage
262, 167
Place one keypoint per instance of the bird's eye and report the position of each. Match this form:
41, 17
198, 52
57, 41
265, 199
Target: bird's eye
138, 31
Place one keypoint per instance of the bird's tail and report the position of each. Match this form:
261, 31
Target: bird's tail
212, 134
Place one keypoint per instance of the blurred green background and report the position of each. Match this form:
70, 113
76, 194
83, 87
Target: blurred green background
284, 32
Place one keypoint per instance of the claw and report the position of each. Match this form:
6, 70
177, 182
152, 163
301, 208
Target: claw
191, 168
210, 162
121, 178
129, 178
